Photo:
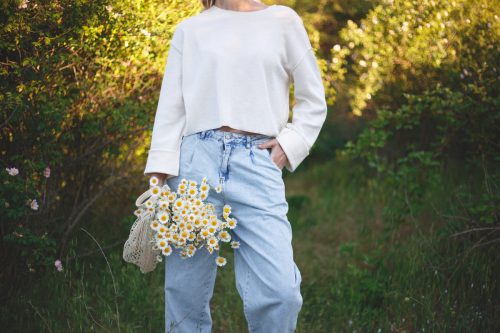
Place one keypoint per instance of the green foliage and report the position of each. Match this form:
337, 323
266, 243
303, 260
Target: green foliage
78, 79
356, 276
433, 66
405, 46
409, 147
398, 233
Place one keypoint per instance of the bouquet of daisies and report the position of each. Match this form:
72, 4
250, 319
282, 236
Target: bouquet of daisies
184, 220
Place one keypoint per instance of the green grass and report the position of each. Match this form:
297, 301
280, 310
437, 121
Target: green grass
361, 271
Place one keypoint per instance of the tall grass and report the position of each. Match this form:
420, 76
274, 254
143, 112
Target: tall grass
361, 273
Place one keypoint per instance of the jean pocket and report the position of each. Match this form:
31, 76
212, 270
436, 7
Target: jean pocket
187, 149
268, 155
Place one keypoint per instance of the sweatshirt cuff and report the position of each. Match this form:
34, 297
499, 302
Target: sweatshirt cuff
163, 161
294, 146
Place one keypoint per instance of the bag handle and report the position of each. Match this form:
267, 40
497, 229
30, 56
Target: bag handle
143, 197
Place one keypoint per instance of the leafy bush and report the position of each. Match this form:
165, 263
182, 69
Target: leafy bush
79, 87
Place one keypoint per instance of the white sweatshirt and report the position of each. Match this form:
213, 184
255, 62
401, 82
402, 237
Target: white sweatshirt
234, 68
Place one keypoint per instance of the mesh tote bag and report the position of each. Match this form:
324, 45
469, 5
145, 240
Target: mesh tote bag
138, 248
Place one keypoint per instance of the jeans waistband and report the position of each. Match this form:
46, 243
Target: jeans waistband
233, 137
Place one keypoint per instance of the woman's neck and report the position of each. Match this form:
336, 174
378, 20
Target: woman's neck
239, 5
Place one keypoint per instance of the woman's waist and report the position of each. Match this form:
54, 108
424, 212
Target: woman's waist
234, 130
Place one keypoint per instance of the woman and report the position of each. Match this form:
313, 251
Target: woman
223, 113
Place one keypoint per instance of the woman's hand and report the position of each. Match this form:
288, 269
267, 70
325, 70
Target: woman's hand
161, 177
278, 156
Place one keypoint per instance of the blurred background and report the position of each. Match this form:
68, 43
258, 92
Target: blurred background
395, 213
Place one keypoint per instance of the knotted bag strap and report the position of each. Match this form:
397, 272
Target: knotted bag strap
143, 197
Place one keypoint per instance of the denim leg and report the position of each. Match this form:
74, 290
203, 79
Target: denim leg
189, 283
267, 278
189, 287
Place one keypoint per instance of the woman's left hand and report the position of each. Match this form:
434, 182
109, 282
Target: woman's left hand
278, 156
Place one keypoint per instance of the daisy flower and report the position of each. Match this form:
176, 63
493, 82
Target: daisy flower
171, 197
163, 204
155, 224
235, 244
178, 204
221, 261
167, 250
163, 217
155, 191
181, 242
204, 188
149, 203
231, 223
161, 243
212, 241
204, 233
192, 191
226, 211
184, 234
224, 236
154, 181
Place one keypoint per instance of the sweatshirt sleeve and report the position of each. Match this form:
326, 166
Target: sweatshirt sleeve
310, 109
170, 118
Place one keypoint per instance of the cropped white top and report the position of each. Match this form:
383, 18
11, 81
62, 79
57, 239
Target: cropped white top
234, 68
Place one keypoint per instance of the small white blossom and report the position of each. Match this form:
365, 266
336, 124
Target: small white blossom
34, 204
58, 265
23, 4
146, 33
12, 171
46, 172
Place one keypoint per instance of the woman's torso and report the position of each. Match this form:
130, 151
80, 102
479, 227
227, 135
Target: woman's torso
235, 73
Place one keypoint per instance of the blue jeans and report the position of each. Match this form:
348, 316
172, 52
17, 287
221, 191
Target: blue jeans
267, 278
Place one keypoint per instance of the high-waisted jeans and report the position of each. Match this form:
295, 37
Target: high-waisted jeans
267, 278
